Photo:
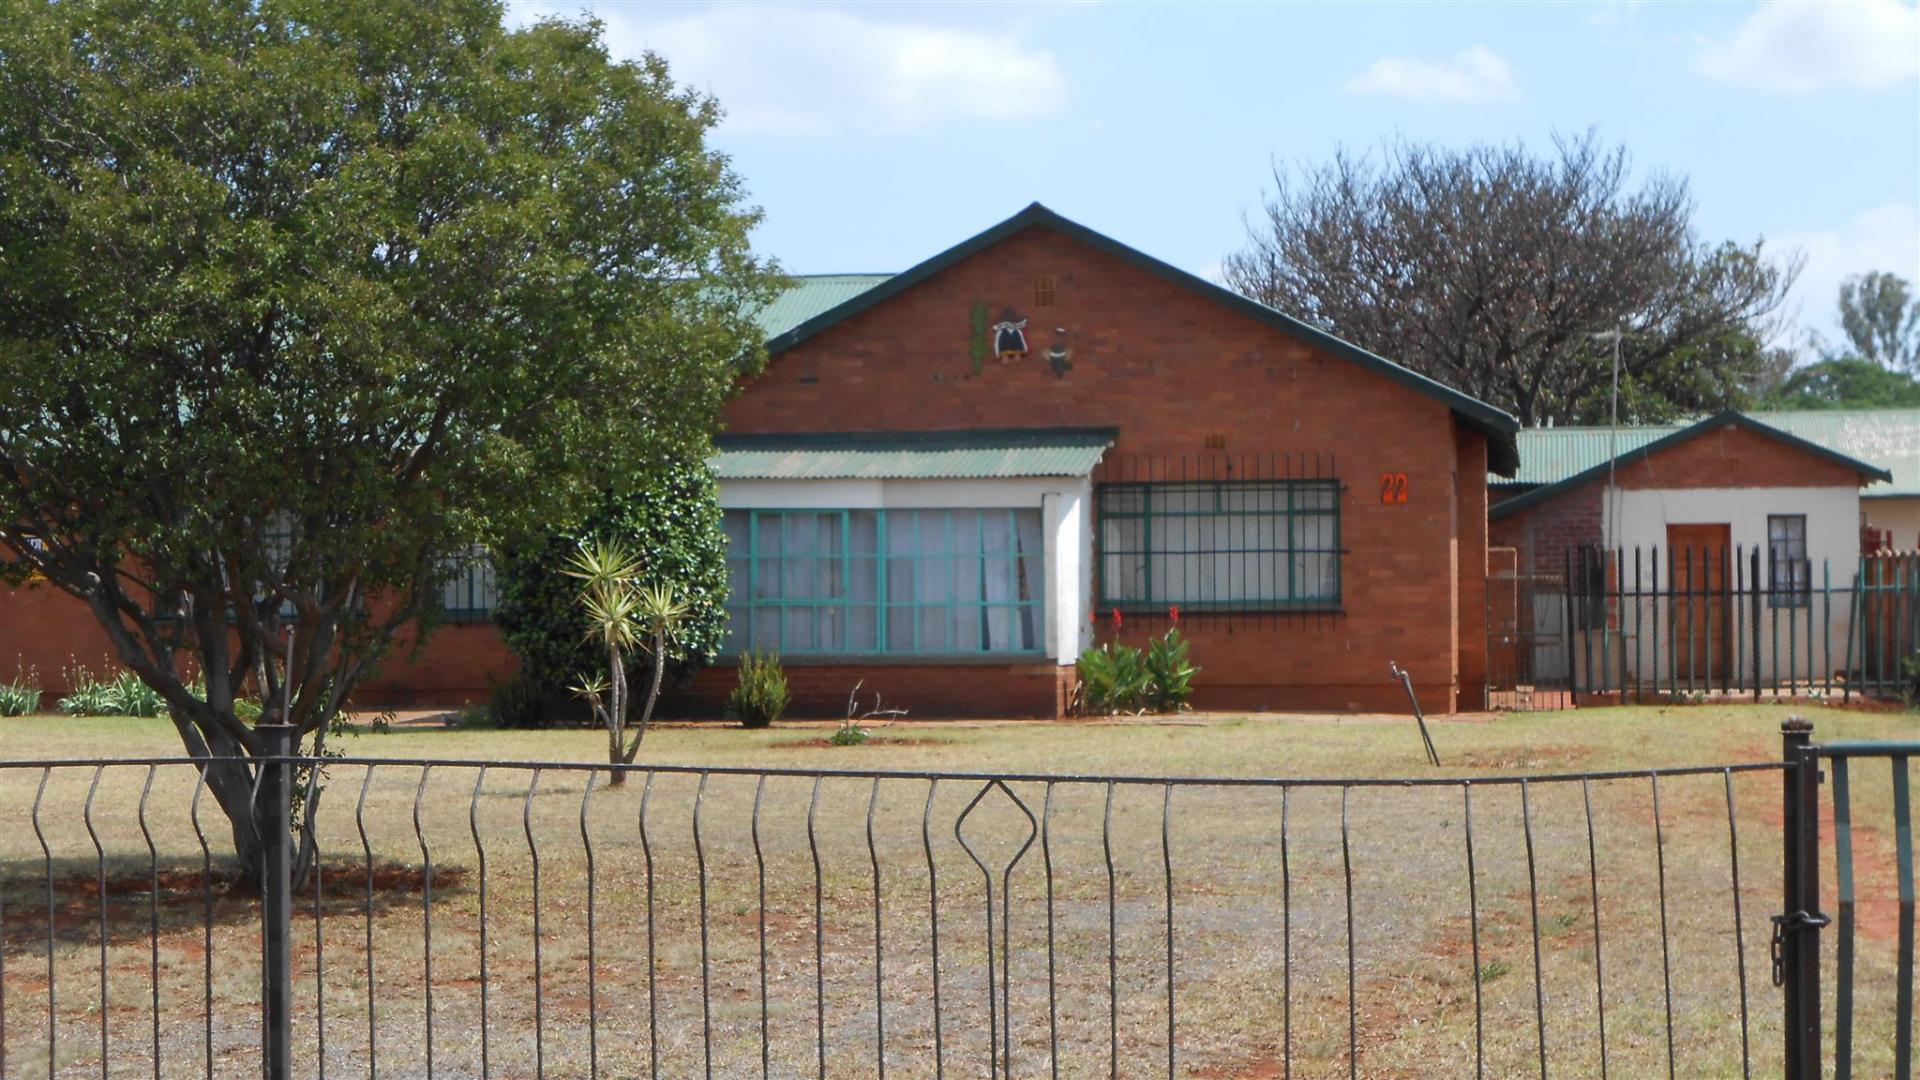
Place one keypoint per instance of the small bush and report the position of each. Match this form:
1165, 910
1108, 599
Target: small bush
761, 696
122, 695
1117, 678
21, 696
1169, 672
518, 703
1113, 679
848, 734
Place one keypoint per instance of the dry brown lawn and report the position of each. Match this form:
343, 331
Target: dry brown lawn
1256, 951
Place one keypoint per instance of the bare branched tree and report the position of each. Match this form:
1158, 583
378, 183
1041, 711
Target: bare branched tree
1491, 268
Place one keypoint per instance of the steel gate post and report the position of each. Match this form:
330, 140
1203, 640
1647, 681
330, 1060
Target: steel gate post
1796, 932
274, 812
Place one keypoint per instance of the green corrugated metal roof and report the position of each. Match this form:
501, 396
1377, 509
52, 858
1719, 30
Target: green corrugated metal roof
933, 455
1889, 438
810, 295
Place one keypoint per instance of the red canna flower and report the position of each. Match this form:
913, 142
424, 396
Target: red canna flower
1173, 612
1117, 620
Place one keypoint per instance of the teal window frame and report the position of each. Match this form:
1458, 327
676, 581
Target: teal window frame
471, 585
1276, 507
1027, 608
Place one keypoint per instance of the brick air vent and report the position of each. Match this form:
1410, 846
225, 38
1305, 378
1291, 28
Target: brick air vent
1046, 289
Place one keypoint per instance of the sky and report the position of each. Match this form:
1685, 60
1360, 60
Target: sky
874, 135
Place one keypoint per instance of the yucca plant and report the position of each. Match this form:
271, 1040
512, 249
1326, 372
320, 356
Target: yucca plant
623, 617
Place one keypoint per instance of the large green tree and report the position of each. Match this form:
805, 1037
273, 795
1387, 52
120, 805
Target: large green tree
302, 295
1846, 383
1881, 318
1491, 269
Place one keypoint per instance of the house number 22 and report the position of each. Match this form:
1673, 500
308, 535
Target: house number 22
1393, 487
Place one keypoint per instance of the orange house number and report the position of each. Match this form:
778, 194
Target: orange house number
1393, 487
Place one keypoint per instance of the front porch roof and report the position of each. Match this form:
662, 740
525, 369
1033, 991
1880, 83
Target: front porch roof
968, 454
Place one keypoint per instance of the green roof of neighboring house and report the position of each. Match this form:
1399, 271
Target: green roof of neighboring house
810, 295
1887, 438
929, 455
1537, 495
1496, 425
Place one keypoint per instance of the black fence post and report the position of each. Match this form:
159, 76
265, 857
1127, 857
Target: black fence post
274, 812
1796, 932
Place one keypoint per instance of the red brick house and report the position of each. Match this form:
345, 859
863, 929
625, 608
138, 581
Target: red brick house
948, 481
944, 486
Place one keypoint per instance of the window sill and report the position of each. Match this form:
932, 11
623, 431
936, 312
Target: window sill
896, 659
1197, 611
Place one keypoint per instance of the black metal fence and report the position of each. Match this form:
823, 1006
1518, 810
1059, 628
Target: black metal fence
1634, 625
494, 919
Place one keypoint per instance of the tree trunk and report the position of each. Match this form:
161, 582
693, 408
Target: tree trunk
653, 695
230, 775
616, 716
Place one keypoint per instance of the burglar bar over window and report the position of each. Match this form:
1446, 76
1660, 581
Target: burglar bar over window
1232, 545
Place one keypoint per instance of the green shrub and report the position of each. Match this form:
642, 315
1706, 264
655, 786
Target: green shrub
122, 695
1169, 672
21, 696
517, 702
1113, 679
761, 695
668, 516
1118, 678
132, 697
848, 734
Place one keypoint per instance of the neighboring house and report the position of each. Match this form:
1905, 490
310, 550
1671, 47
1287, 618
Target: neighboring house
1887, 438
944, 486
1686, 509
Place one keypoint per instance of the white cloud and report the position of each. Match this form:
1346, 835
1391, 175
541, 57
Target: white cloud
1478, 74
794, 70
1884, 238
1800, 46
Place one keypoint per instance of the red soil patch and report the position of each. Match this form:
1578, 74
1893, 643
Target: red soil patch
1264, 1066
1876, 908
1522, 757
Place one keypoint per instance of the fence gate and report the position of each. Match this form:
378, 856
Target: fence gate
1526, 637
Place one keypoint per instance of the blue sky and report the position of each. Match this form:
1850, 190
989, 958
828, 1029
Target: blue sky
874, 135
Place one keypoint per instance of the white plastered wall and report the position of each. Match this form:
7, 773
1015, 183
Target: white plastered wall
1066, 514
1639, 518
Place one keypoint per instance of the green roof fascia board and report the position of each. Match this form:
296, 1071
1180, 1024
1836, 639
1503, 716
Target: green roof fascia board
1499, 427
976, 453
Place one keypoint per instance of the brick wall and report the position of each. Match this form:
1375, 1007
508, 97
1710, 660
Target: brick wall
1543, 534
45, 631
937, 691
1171, 370
1733, 457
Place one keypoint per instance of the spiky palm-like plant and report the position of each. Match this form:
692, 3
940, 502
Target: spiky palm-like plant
622, 616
